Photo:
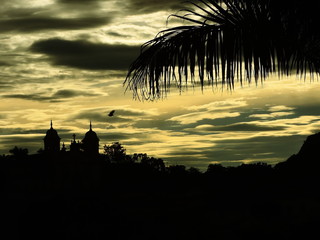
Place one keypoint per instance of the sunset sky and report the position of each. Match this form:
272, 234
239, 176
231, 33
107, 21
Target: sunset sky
66, 60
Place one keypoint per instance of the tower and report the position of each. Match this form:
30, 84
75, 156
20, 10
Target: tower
51, 140
90, 142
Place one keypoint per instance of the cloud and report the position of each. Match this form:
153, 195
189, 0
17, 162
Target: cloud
149, 6
116, 34
132, 6
220, 105
57, 96
34, 24
247, 127
212, 111
198, 116
4, 64
79, 1
271, 115
92, 115
35, 97
51, 16
127, 112
280, 108
18, 131
67, 93
122, 115
277, 111
86, 55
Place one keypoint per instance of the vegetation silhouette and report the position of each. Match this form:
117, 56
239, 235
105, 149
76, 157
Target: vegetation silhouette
228, 40
73, 195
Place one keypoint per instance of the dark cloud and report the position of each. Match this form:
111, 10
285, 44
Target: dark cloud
242, 127
158, 122
67, 93
5, 86
27, 25
114, 75
87, 55
7, 131
80, 1
4, 64
35, 97
308, 110
134, 6
131, 113
11, 12
108, 138
148, 6
26, 20
115, 34
222, 121
94, 116
56, 97
101, 115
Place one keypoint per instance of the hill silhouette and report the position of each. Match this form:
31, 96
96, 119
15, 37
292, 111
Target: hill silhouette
73, 195
307, 160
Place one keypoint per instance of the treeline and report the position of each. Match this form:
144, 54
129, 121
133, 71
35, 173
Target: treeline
115, 154
119, 196
115, 169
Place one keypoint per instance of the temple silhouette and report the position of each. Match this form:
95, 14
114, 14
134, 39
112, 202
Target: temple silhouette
89, 144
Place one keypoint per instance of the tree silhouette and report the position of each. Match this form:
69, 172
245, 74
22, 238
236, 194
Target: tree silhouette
19, 153
229, 40
215, 169
154, 163
116, 153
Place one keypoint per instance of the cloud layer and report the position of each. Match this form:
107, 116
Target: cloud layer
35, 24
86, 55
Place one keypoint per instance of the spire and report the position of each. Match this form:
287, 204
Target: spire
51, 123
63, 149
90, 126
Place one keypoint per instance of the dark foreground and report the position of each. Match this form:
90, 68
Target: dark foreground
67, 196
68, 199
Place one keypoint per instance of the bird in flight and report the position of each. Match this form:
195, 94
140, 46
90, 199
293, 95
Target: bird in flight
111, 113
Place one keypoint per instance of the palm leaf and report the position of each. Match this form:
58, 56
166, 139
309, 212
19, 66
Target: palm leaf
229, 40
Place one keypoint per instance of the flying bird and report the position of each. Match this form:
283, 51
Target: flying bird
111, 113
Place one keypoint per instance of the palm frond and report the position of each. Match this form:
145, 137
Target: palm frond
229, 40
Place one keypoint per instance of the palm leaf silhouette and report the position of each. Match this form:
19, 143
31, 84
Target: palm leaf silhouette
229, 40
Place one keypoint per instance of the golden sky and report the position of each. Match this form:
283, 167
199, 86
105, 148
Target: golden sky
66, 60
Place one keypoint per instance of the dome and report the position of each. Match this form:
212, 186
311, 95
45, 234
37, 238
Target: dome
90, 142
52, 140
91, 136
51, 134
